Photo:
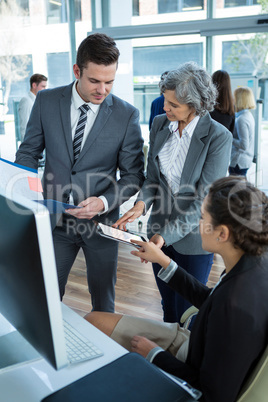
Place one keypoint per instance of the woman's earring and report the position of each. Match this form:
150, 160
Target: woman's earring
217, 239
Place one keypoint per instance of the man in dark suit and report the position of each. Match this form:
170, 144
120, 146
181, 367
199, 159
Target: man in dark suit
90, 137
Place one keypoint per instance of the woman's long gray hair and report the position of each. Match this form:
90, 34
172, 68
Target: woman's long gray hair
193, 86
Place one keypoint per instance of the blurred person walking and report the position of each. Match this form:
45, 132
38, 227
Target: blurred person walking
244, 132
38, 82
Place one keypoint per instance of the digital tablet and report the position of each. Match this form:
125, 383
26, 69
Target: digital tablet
117, 234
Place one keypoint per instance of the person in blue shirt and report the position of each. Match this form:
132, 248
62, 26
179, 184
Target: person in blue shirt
157, 106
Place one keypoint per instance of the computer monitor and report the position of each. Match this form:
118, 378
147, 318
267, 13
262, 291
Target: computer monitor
29, 292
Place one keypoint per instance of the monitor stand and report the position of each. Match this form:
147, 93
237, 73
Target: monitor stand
14, 350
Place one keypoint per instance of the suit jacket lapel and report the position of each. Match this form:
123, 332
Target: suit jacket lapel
196, 147
103, 115
160, 139
65, 111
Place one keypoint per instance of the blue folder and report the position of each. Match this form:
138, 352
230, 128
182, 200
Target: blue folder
56, 207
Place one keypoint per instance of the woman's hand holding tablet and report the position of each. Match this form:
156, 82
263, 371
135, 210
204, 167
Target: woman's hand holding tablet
118, 234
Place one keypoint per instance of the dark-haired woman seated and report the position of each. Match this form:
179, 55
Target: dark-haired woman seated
231, 329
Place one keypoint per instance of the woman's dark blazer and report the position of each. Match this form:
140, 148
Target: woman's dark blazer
225, 119
230, 331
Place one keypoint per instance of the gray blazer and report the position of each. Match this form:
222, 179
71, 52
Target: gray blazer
114, 142
243, 141
176, 217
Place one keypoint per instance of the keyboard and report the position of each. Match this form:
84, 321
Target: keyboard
78, 347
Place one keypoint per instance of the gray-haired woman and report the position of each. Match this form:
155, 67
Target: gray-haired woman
188, 151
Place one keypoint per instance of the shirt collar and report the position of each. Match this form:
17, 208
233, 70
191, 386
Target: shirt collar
173, 126
78, 101
240, 112
189, 129
32, 95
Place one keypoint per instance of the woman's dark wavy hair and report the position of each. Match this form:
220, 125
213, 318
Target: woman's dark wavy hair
225, 101
236, 203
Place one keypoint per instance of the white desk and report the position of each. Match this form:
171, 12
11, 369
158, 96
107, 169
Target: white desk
30, 382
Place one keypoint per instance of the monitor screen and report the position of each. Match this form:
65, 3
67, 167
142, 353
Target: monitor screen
29, 293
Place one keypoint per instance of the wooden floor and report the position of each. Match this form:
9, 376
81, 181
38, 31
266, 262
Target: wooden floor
136, 290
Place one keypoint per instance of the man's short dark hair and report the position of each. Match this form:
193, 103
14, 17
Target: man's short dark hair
37, 78
97, 48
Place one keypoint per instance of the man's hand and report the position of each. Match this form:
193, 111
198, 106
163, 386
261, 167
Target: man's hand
150, 252
130, 215
142, 345
90, 207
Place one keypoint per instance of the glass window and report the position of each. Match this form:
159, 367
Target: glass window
237, 8
235, 62
58, 65
243, 57
143, 12
143, 97
77, 9
168, 6
144, 56
149, 62
246, 54
20, 87
57, 11
263, 84
237, 3
24, 4
19, 20
173, 6
135, 7
154, 60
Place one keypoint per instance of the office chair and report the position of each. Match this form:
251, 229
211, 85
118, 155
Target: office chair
256, 387
188, 315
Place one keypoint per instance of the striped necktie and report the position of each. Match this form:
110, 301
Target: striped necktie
79, 132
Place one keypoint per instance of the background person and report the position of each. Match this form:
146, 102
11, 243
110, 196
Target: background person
188, 151
224, 108
231, 329
81, 168
244, 133
38, 82
157, 106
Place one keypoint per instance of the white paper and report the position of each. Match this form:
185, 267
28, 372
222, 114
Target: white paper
14, 180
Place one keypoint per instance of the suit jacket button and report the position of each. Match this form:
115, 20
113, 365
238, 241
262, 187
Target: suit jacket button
73, 172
